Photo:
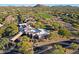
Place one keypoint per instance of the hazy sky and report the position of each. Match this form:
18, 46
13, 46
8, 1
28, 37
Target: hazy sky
39, 1
35, 4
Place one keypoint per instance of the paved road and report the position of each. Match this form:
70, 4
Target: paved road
64, 44
39, 44
44, 50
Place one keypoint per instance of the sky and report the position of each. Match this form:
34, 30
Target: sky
35, 4
39, 1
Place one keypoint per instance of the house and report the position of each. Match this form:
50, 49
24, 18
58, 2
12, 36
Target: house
38, 33
35, 33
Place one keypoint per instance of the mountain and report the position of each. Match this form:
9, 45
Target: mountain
40, 5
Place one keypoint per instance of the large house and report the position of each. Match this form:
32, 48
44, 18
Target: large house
38, 33
26, 28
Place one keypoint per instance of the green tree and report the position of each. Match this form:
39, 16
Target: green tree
11, 30
4, 41
1, 32
39, 25
1, 20
58, 49
74, 46
64, 32
25, 47
25, 38
8, 31
14, 28
56, 25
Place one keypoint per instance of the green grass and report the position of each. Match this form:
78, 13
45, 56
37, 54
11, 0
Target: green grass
44, 15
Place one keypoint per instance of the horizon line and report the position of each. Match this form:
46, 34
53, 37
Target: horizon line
40, 4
